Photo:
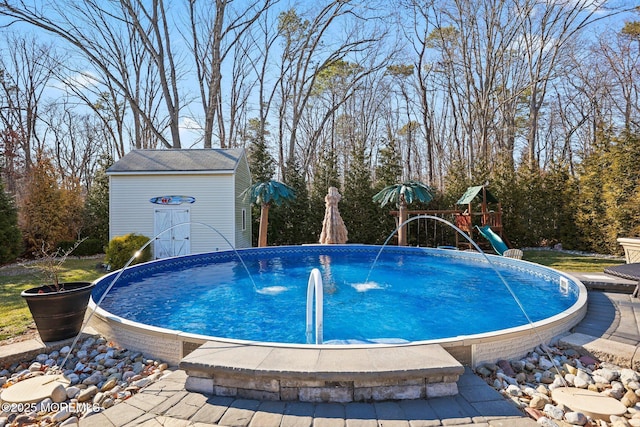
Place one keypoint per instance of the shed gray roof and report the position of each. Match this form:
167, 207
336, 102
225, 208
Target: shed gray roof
199, 160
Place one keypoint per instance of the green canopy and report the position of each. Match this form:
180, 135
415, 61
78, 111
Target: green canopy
476, 192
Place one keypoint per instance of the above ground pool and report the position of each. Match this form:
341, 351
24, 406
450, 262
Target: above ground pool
406, 295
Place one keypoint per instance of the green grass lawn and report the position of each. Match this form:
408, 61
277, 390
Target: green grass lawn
570, 262
15, 317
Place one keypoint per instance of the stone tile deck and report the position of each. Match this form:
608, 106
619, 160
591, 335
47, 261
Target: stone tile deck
165, 403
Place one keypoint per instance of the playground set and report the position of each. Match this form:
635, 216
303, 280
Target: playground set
486, 222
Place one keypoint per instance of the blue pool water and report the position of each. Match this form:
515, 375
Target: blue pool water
412, 294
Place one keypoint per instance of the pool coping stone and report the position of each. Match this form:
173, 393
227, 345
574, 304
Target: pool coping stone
383, 362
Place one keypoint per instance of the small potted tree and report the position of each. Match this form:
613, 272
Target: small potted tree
57, 308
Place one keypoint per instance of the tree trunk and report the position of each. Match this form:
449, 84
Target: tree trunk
264, 224
402, 232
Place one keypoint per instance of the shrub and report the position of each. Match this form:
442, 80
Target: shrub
88, 247
51, 211
122, 248
9, 232
96, 208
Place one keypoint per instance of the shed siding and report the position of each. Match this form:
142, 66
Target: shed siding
131, 211
242, 182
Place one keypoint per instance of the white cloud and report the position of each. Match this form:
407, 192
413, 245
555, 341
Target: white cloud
190, 124
80, 80
190, 133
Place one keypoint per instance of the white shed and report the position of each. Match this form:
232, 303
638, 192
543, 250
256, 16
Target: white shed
152, 191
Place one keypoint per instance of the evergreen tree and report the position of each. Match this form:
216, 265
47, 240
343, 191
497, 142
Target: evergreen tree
621, 182
504, 183
389, 168
609, 182
97, 203
560, 192
43, 209
261, 162
10, 235
289, 224
531, 206
458, 181
73, 202
635, 201
360, 215
590, 210
388, 171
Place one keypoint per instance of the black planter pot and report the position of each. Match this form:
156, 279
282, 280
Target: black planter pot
58, 315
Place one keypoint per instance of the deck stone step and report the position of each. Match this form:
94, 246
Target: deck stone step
322, 374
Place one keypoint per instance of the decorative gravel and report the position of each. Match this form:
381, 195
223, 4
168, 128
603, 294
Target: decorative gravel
528, 382
101, 375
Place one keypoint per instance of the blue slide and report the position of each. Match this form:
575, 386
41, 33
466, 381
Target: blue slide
498, 245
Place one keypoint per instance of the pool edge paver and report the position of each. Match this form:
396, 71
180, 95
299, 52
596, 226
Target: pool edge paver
341, 374
239, 413
213, 409
329, 415
298, 414
360, 414
268, 414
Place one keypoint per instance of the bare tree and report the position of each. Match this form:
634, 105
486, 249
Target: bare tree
215, 31
547, 27
400, 76
103, 33
619, 54
265, 35
74, 141
25, 72
310, 46
418, 35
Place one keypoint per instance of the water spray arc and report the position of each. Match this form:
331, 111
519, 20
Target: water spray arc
491, 264
136, 255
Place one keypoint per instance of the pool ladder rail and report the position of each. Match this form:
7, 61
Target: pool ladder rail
314, 288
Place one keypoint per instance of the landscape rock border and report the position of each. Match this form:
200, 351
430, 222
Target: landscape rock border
529, 383
100, 376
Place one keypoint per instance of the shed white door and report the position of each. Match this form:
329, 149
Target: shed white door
175, 241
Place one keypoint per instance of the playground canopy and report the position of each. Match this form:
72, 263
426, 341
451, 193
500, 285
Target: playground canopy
476, 194
490, 218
